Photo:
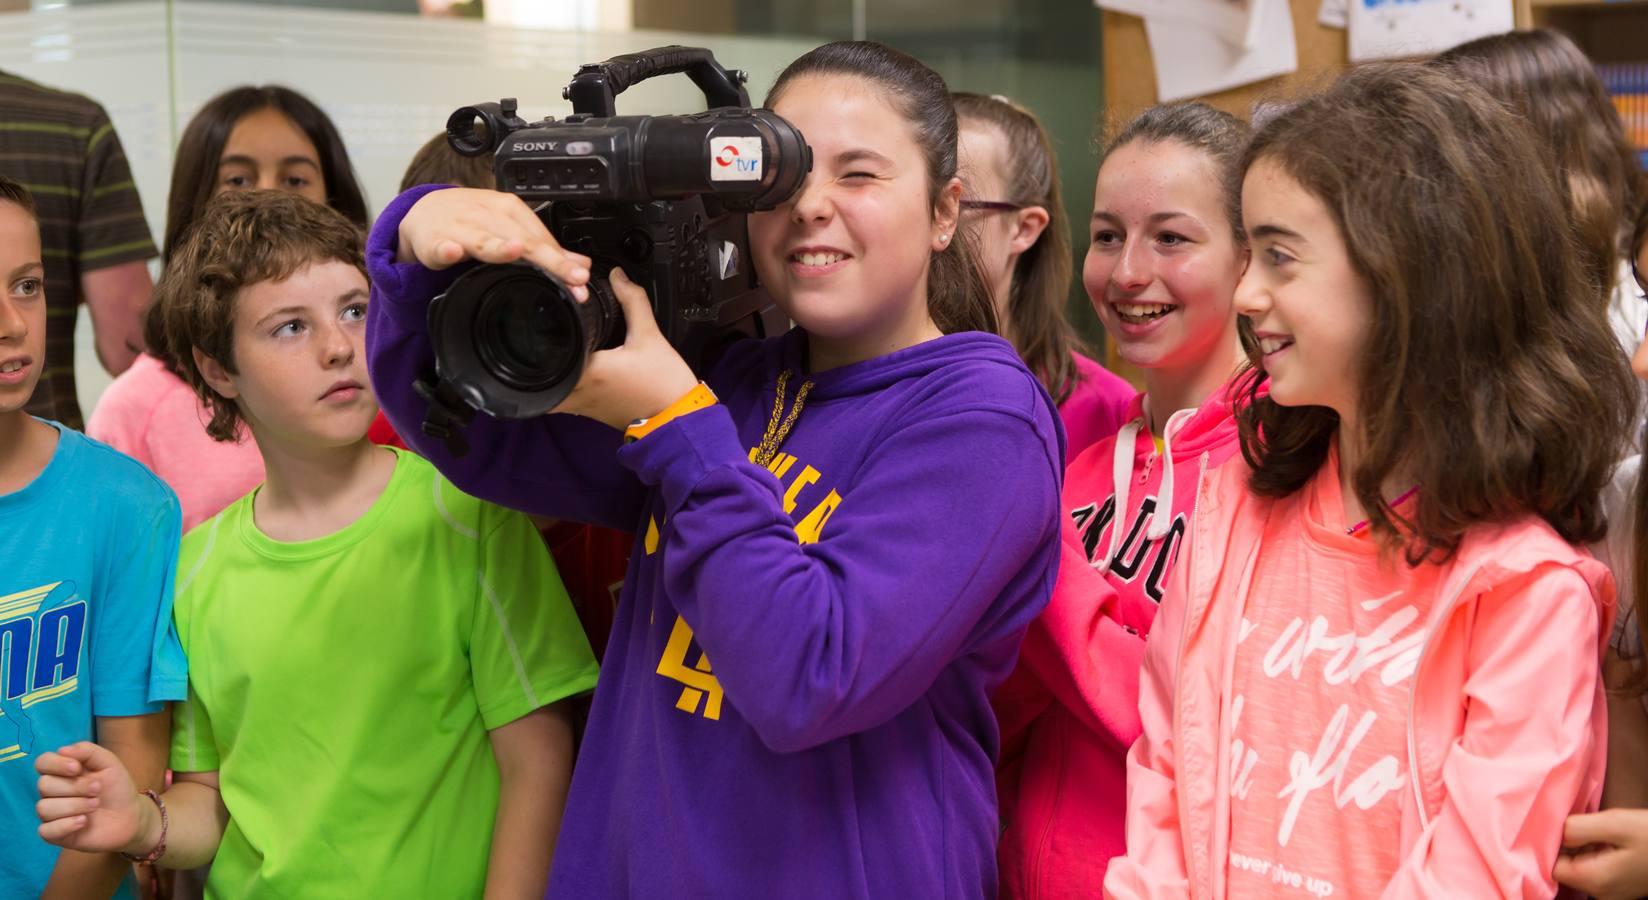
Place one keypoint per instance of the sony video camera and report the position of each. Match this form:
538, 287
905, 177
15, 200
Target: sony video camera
663, 197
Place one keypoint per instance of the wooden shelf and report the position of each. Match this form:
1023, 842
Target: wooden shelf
1593, 4
1610, 31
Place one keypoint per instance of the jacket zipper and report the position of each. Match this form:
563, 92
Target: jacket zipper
1178, 662
1035, 875
1413, 694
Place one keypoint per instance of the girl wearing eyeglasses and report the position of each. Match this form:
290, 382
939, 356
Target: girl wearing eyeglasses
1021, 242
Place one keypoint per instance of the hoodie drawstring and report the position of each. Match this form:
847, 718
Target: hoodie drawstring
1162, 519
1121, 475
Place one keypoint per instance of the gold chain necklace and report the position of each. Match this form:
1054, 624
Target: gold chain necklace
778, 425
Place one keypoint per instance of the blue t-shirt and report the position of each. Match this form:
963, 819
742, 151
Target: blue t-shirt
88, 554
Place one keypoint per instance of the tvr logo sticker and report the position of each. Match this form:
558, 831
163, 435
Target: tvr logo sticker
735, 159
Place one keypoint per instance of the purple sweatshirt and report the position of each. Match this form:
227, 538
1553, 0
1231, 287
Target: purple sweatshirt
859, 599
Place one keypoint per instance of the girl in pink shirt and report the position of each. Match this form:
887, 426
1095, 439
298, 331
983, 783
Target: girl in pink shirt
1165, 255
1376, 669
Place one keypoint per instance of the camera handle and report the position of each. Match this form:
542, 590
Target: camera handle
595, 89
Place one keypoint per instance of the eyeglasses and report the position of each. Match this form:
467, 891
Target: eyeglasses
992, 205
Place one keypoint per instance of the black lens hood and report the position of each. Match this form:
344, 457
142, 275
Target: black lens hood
466, 367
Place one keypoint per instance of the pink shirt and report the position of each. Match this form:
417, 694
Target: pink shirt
1096, 409
152, 416
1329, 640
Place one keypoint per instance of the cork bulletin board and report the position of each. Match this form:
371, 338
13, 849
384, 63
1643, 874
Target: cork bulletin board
1130, 79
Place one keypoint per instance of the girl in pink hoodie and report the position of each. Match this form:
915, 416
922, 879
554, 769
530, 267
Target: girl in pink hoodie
1376, 669
1165, 257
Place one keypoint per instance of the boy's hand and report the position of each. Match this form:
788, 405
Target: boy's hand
637, 379
88, 803
1610, 858
446, 227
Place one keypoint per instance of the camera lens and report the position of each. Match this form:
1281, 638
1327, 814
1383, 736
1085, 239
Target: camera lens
528, 334
512, 341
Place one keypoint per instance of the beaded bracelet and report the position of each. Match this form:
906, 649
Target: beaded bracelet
165, 824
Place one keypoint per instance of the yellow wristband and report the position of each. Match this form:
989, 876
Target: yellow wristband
698, 398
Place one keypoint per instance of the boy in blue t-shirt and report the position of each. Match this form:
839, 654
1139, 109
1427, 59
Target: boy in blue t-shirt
379, 664
88, 552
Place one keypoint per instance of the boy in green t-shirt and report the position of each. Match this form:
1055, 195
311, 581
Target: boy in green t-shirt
378, 663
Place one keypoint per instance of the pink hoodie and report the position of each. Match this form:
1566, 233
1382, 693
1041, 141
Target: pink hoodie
1070, 709
1096, 409
1506, 728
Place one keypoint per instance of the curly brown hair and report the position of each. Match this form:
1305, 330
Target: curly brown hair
200, 150
1551, 83
238, 240
1490, 375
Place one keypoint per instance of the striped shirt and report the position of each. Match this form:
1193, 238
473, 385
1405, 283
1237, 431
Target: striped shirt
62, 147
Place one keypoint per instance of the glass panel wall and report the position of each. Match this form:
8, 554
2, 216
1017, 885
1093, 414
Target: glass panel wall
389, 72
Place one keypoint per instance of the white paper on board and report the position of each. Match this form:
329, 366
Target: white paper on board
1380, 29
1334, 13
1232, 20
1192, 61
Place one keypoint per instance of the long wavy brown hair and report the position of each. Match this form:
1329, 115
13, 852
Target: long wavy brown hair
1551, 83
1490, 375
1041, 275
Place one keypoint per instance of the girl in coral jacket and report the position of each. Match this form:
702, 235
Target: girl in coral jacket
1165, 257
1376, 669
841, 537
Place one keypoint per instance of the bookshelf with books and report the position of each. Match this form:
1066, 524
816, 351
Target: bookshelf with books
1614, 33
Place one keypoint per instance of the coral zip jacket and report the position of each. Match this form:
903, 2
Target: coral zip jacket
1506, 725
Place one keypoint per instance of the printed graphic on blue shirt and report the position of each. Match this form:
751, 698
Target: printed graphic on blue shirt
90, 552
42, 632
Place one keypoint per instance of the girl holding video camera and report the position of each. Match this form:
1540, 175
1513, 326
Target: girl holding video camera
842, 533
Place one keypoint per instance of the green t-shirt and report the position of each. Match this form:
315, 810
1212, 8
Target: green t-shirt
342, 688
